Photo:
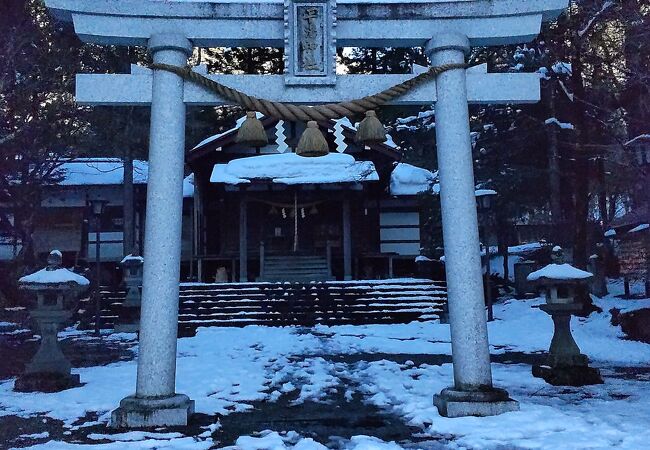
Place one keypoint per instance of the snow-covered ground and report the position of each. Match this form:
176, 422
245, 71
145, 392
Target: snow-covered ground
394, 367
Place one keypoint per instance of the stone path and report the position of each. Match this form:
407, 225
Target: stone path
344, 412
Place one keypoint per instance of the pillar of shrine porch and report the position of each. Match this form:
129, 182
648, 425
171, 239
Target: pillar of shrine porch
156, 402
472, 393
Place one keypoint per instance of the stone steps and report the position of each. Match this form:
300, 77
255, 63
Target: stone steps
293, 303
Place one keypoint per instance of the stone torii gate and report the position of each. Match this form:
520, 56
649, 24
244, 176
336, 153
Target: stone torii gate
309, 31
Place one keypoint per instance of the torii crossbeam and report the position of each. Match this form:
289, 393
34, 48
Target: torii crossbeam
310, 32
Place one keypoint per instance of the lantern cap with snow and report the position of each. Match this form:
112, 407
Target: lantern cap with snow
559, 282
132, 264
55, 286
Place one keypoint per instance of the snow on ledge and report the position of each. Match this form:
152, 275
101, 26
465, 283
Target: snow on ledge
289, 168
559, 272
57, 276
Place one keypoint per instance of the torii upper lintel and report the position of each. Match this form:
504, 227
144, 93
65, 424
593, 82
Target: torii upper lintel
366, 23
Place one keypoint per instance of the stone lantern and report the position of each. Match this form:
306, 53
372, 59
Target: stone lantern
565, 365
57, 291
129, 316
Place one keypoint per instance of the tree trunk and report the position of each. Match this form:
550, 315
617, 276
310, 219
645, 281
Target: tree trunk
554, 165
602, 193
581, 180
581, 170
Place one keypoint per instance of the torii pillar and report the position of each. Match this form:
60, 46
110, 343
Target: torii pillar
156, 402
472, 393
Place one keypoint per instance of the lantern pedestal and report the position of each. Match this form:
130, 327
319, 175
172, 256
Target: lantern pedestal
49, 369
565, 365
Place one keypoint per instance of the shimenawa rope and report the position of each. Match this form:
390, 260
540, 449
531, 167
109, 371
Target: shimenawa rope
295, 113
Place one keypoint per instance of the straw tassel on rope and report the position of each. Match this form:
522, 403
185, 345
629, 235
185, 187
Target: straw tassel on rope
371, 131
312, 143
252, 132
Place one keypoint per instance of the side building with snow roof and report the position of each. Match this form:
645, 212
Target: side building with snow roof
65, 221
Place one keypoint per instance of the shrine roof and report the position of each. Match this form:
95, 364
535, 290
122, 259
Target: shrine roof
291, 169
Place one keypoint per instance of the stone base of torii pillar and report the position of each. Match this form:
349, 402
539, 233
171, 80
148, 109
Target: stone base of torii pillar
491, 402
136, 412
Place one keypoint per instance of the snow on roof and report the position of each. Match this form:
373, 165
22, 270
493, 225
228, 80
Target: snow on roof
482, 192
130, 257
408, 179
643, 226
559, 272
289, 168
562, 125
109, 171
524, 248
639, 138
56, 276
100, 171
562, 68
238, 125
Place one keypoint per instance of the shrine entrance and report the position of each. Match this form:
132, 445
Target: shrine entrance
310, 32
301, 227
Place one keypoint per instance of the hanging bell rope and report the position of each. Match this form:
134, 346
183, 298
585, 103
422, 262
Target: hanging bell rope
295, 221
252, 132
285, 205
371, 131
303, 113
312, 143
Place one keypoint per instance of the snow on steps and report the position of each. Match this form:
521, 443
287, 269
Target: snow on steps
292, 303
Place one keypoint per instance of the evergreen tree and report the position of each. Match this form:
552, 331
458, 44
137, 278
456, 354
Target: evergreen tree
40, 125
